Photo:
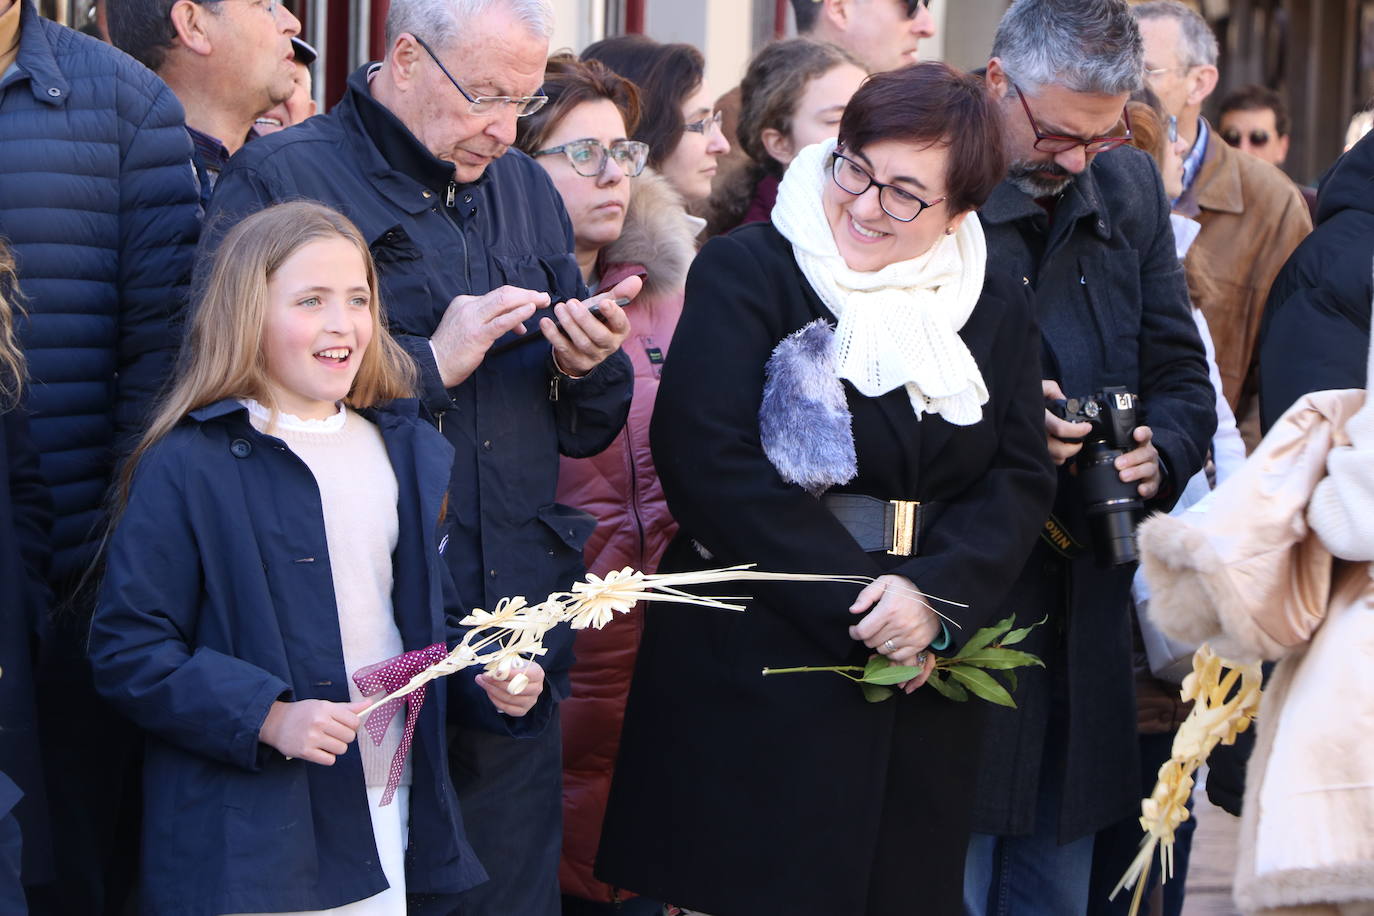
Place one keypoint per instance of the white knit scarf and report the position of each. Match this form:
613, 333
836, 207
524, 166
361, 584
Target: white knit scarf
898, 325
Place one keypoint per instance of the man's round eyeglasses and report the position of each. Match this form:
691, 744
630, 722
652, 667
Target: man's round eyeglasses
588, 157
1061, 143
523, 105
711, 122
900, 204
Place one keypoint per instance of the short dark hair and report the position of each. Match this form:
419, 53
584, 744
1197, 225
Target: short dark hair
666, 75
1257, 98
927, 104
568, 82
143, 29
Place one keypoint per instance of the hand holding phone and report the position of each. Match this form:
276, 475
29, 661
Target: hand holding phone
593, 305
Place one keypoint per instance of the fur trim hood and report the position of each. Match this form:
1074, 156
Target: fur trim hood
657, 236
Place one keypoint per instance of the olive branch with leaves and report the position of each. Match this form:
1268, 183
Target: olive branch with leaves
955, 676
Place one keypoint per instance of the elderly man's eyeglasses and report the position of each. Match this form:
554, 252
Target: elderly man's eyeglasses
1060, 143
901, 205
707, 124
588, 157
485, 104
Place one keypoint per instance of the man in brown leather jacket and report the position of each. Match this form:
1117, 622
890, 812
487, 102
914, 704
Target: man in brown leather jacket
1251, 213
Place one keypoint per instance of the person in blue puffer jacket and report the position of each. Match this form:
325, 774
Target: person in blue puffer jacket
98, 204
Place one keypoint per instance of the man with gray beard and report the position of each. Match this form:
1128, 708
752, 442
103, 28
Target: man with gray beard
1083, 220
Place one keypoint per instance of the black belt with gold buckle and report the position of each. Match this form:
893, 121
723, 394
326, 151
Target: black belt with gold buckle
893, 525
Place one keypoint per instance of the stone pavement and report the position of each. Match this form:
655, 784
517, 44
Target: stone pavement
1213, 859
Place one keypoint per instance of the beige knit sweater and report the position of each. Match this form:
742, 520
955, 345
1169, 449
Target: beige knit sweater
358, 493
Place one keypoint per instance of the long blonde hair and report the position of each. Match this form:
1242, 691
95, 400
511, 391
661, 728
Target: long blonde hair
223, 354
12, 366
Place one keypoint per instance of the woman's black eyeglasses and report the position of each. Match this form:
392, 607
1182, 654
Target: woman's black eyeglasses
1257, 137
588, 156
901, 205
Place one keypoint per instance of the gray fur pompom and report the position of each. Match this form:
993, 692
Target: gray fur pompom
804, 420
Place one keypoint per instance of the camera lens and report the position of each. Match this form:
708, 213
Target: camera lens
1113, 506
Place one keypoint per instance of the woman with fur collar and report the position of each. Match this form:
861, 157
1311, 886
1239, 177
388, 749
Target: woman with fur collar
627, 221
853, 389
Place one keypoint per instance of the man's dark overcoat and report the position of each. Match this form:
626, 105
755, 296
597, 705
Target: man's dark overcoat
1113, 310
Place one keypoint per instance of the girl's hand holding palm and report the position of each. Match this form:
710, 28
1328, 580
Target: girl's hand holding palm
313, 730
512, 695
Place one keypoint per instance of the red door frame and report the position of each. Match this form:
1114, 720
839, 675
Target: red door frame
634, 17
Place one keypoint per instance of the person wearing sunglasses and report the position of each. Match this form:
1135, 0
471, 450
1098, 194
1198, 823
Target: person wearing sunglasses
1081, 220
853, 388
1252, 215
677, 121
475, 250
881, 34
627, 221
1254, 119
228, 61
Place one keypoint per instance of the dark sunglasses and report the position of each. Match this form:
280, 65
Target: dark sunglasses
911, 6
1257, 137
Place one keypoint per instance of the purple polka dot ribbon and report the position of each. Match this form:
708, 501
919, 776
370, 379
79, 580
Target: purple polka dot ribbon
385, 677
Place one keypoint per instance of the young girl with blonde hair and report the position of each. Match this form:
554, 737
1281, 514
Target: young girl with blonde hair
277, 559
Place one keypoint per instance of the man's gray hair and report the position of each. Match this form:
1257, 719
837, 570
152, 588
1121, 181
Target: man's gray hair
440, 22
1199, 44
1081, 45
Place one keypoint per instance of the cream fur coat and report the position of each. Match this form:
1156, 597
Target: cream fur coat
1245, 570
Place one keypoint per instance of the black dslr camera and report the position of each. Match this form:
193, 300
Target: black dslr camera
1113, 507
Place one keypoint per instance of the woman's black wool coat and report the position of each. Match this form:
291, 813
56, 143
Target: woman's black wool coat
738, 794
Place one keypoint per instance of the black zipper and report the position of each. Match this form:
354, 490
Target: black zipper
449, 196
634, 491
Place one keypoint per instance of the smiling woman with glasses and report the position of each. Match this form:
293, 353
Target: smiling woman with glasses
853, 388
627, 221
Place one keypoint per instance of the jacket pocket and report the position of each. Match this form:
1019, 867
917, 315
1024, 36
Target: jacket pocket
1111, 281
558, 275
406, 300
570, 526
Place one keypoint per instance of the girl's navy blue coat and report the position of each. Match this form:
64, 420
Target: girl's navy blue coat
25, 520
218, 601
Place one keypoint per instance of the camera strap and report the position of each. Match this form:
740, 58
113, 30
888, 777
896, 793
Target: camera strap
1056, 534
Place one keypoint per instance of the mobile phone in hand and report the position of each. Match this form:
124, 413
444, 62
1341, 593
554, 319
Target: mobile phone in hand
593, 305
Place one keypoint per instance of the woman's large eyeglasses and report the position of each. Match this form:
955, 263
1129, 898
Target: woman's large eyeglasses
1059, 143
903, 206
485, 104
588, 157
711, 122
